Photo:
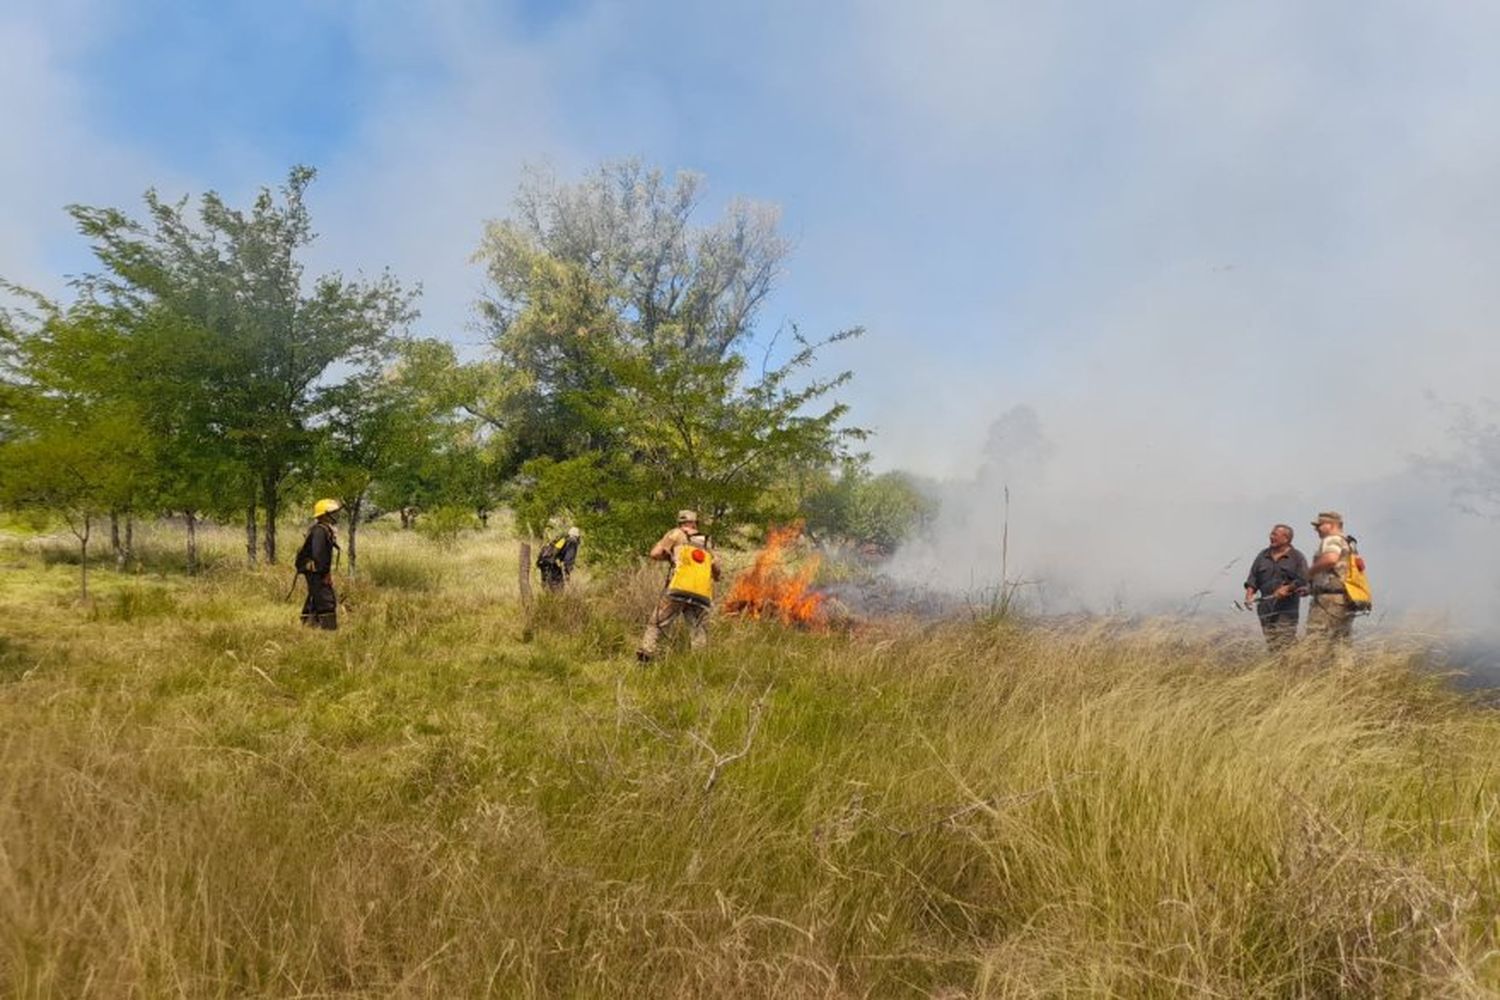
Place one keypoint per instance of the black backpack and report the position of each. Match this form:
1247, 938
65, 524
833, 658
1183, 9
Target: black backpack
548, 555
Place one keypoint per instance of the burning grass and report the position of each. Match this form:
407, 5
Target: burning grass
771, 590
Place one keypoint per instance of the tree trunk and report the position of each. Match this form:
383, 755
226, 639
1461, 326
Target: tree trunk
192, 542
114, 540
406, 518
484, 519
129, 540
250, 532
524, 579
83, 562
354, 506
270, 500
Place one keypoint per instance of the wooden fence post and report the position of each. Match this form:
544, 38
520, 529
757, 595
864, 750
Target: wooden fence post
524, 579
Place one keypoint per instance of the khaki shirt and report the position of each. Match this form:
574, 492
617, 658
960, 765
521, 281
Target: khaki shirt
677, 537
1331, 581
668, 545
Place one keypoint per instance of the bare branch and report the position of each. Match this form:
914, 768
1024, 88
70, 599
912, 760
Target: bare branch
722, 760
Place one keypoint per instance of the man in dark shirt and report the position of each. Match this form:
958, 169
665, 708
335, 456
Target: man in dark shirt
557, 558
315, 563
1279, 576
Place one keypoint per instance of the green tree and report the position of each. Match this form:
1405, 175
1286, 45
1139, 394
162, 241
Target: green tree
471, 474
265, 339
630, 234
615, 259
196, 473
880, 510
381, 424
621, 381
599, 491
74, 444
680, 430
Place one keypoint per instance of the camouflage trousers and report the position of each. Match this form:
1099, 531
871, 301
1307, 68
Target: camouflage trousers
668, 611
1330, 617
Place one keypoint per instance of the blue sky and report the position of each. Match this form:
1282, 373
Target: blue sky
1187, 235
181, 80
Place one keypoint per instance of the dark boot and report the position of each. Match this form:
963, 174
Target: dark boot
321, 608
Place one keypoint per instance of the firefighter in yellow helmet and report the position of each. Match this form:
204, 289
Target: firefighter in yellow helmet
689, 592
315, 562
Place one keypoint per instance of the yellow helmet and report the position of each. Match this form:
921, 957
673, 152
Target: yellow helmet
326, 507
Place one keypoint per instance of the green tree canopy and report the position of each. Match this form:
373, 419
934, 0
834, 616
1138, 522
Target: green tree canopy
621, 385
877, 510
396, 433
256, 337
75, 442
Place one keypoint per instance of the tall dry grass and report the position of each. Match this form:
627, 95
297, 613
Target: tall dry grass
198, 798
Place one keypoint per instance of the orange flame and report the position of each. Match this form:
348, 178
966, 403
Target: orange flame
769, 590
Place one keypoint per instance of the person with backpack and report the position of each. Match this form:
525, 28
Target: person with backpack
315, 561
1331, 614
1279, 577
556, 559
689, 591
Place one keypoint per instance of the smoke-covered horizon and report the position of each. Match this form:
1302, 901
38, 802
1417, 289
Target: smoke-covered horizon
1075, 542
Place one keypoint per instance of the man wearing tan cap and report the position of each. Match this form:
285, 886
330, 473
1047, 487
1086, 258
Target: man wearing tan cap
689, 590
1330, 616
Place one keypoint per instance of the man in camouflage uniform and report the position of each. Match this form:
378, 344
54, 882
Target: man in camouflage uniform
675, 544
1330, 615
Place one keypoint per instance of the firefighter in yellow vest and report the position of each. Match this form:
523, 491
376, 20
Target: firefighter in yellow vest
689, 591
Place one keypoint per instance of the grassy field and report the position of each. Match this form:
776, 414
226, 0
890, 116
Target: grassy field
445, 799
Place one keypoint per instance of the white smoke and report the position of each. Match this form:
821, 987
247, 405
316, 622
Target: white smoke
1076, 540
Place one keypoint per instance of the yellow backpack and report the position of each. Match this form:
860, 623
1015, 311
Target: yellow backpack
1356, 584
692, 571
